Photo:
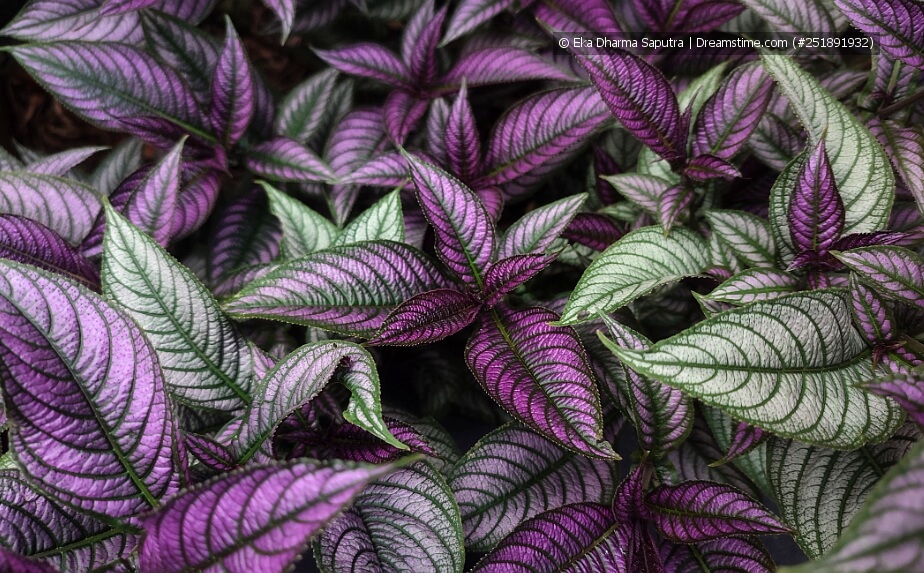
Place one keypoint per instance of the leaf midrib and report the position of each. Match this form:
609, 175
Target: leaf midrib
243, 396
116, 449
55, 64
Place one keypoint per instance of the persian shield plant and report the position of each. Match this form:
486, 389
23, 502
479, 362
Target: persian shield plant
482, 285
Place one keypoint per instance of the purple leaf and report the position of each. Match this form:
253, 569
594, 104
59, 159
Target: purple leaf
212, 454
706, 167
197, 199
285, 11
905, 148
298, 379
437, 120
719, 556
470, 14
57, 20
237, 523
152, 204
402, 112
500, 66
419, 49
897, 26
593, 17
576, 537
858, 240
36, 524
188, 50
27, 241
359, 136
406, 521
464, 232
535, 231
675, 203
463, 145
246, 234
10, 561
370, 61
662, 416
386, 170
700, 510
232, 90
894, 272
641, 99
113, 451
283, 159
428, 317
59, 164
507, 274
592, 230
513, 474
302, 112
686, 16
202, 354
540, 134
493, 200
816, 213
870, 313
539, 373
905, 386
348, 289
63, 205
728, 118
744, 439
350, 442
109, 83
111, 7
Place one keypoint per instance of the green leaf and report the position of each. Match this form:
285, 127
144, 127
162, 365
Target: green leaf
384, 221
634, 266
206, 363
789, 366
304, 230
820, 490
861, 169
780, 198
746, 235
885, 536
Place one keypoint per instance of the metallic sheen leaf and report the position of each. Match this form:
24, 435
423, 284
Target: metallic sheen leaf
540, 374
298, 379
513, 474
349, 289
785, 365
114, 450
820, 490
405, 521
237, 524
205, 360
634, 266
861, 169
464, 232
106, 83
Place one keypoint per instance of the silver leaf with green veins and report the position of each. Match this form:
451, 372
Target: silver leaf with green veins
789, 365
